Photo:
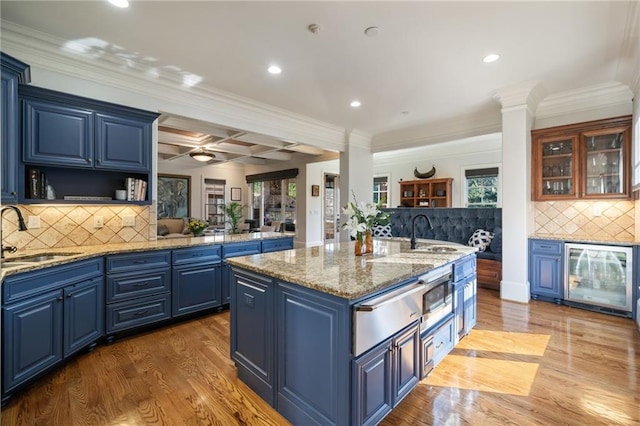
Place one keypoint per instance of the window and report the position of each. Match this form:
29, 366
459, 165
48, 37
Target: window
481, 187
273, 198
381, 191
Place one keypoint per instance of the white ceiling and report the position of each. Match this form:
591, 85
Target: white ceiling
423, 68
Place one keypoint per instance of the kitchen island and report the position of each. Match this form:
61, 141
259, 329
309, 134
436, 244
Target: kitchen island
294, 327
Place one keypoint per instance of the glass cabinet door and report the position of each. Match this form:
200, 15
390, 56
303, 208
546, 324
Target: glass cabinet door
603, 163
557, 168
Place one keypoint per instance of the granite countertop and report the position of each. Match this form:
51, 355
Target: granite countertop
584, 239
334, 269
86, 252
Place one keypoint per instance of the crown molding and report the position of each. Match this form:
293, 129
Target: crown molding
44, 51
596, 97
454, 129
528, 93
359, 139
487, 143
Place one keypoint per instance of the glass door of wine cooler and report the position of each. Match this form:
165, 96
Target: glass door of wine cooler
599, 275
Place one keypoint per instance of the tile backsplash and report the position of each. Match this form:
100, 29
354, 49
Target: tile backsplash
609, 220
73, 225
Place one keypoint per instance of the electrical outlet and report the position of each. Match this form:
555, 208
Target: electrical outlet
128, 220
98, 221
33, 222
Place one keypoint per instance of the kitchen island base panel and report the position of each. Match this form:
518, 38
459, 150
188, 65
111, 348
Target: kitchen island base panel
316, 377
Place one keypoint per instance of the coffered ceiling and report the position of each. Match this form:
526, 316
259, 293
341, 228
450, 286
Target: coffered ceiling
420, 69
180, 136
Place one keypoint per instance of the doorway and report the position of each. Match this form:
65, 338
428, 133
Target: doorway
331, 209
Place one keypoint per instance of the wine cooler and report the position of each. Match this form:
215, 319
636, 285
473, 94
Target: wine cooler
599, 277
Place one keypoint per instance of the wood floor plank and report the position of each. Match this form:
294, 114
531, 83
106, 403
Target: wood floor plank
587, 372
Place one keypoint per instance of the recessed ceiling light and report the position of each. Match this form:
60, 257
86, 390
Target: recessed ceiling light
355, 104
492, 57
274, 69
120, 3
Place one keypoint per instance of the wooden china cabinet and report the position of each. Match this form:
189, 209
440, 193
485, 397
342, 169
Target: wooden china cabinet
589, 160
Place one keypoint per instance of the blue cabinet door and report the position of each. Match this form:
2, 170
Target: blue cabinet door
195, 287
372, 385
406, 363
470, 305
123, 143
252, 323
13, 72
546, 278
57, 134
313, 340
34, 330
545, 269
83, 314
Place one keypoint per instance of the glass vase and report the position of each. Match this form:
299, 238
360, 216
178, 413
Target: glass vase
368, 242
364, 243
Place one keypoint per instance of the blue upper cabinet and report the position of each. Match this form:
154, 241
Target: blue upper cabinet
13, 72
57, 134
66, 130
123, 143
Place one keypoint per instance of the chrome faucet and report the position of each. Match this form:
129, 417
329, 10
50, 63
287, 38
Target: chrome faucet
413, 228
21, 227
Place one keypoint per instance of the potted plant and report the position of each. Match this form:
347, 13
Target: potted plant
233, 211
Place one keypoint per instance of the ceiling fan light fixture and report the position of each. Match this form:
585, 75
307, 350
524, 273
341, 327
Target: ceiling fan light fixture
202, 156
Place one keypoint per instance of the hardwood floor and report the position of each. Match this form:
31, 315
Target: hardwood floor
524, 364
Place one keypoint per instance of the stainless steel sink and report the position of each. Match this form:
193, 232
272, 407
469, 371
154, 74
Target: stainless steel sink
35, 258
439, 249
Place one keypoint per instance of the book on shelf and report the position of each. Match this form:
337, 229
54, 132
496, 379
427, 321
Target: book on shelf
37, 183
136, 189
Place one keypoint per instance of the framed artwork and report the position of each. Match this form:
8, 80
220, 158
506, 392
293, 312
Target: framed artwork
315, 190
174, 197
236, 194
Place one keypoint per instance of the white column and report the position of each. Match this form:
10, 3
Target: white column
518, 106
356, 171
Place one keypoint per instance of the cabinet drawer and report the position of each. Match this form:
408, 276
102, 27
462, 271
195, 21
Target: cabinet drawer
138, 261
197, 254
546, 246
134, 313
464, 268
19, 286
443, 341
241, 249
277, 244
128, 286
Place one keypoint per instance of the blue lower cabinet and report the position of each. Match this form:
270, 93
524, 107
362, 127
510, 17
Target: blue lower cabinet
443, 340
137, 312
32, 338
385, 375
83, 315
312, 368
195, 287
47, 315
252, 348
545, 269
372, 385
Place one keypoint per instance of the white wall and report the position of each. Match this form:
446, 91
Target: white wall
232, 173
449, 159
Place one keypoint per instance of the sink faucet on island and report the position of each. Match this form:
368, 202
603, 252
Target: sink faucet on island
294, 339
413, 228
